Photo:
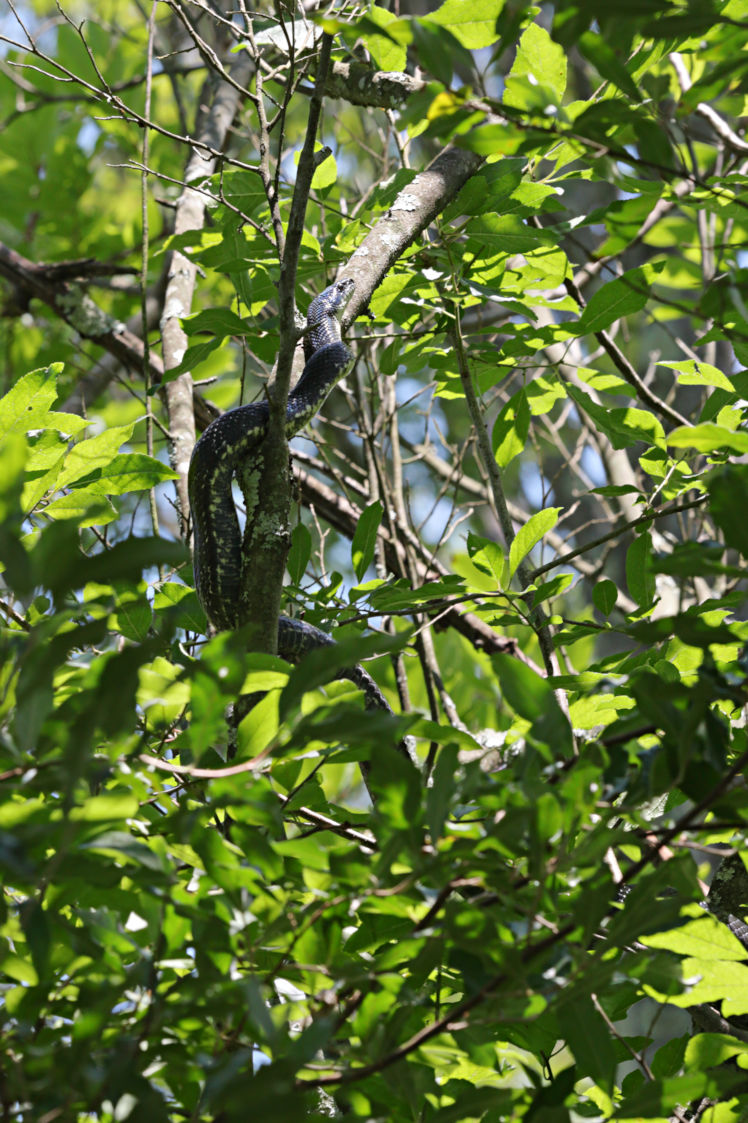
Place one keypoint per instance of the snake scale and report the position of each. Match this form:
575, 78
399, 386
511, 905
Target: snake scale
233, 442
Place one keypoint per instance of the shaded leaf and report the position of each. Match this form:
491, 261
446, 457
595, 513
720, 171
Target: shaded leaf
622, 297
365, 538
639, 576
533, 698
728, 495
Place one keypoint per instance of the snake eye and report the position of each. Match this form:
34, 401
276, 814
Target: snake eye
345, 288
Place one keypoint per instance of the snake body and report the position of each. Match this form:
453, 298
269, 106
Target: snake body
233, 439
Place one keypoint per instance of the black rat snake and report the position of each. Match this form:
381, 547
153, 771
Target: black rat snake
235, 438
231, 443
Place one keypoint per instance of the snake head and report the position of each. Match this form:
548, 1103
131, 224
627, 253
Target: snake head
331, 301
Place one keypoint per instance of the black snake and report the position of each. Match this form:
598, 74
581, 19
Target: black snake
234, 438
231, 443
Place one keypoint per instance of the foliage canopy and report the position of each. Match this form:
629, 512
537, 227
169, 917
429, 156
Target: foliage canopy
525, 510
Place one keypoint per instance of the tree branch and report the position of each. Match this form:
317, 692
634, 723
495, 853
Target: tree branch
267, 487
190, 214
415, 207
361, 85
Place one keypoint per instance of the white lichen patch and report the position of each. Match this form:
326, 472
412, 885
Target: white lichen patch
82, 313
406, 202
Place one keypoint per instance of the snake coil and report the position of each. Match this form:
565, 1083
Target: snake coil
235, 438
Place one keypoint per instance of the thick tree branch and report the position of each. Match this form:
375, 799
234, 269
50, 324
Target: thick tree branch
360, 85
416, 206
69, 299
211, 136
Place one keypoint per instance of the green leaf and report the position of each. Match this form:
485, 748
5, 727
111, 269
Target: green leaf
326, 171
396, 785
511, 428
300, 553
551, 588
528, 535
66, 423
171, 596
708, 437
130, 471
695, 559
13, 453
533, 698
692, 372
386, 36
711, 967
400, 594
605, 595
607, 63
639, 577
27, 403
105, 808
622, 297
46, 453
499, 233
487, 556
539, 62
121, 845
443, 734
193, 356
133, 618
702, 938
220, 322
15, 967
590, 1040
36, 930
654, 1099
93, 453
264, 672
84, 506
439, 793
365, 538
623, 425
493, 140
441, 56
260, 727
707, 1050
473, 25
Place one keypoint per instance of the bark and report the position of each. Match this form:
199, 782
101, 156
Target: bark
413, 210
213, 131
360, 85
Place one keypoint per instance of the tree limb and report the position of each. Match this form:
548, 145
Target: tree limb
212, 135
361, 85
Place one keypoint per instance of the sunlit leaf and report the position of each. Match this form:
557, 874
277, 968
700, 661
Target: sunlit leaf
530, 534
